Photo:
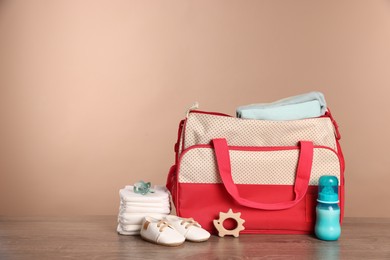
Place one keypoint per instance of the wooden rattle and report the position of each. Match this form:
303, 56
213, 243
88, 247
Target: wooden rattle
222, 231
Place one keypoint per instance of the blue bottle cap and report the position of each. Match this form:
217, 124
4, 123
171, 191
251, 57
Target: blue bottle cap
328, 189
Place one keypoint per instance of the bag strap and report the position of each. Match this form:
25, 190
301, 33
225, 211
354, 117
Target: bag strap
301, 180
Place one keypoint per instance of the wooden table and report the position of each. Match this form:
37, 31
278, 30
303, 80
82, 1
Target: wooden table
94, 237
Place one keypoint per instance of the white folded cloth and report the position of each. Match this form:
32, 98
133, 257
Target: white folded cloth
165, 210
130, 228
145, 204
160, 195
136, 218
120, 230
135, 207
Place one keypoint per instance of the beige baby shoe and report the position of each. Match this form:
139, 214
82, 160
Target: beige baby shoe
160, 232
189, 228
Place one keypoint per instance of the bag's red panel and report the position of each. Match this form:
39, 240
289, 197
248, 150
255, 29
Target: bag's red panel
203, 202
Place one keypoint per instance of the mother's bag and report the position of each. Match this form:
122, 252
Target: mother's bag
267, 170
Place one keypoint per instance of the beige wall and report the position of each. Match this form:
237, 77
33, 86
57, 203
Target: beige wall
91, 92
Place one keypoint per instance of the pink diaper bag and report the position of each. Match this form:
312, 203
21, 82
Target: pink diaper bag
267, 170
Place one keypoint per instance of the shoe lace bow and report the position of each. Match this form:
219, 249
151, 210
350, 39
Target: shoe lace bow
189, 222
163, 224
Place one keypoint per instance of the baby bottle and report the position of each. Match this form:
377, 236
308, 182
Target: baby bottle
328, 212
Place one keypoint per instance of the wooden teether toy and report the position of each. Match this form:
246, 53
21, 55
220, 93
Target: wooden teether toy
222, 231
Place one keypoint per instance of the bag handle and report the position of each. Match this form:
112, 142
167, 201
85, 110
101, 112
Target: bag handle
301, 180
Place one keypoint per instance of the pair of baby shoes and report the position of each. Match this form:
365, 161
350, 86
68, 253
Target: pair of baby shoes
172, 230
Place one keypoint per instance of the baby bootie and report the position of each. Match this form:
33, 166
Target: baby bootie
189, 228
160, 232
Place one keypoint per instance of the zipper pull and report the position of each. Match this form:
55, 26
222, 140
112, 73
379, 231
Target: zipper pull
193, 107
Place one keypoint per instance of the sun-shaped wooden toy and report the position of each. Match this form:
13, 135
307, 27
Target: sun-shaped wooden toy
222, 231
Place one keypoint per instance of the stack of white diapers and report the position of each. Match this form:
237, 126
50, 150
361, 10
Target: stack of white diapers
134, 207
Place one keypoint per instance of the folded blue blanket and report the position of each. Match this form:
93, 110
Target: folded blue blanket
307, 105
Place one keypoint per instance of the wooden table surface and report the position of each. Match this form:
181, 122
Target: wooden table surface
94, 237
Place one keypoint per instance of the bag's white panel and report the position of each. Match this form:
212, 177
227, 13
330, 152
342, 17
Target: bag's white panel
198, 165
202, 128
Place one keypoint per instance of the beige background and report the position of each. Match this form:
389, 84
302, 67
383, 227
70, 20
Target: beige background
91, 92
